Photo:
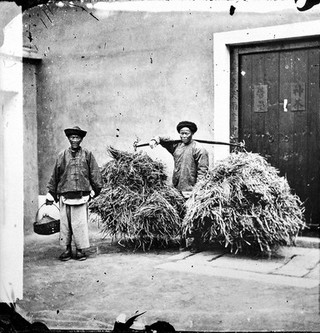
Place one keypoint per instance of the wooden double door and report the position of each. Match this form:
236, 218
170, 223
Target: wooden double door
278, 112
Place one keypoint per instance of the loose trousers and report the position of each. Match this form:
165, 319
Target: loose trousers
74, 222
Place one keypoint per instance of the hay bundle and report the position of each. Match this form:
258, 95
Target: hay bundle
244, 204
137, 172
135, 203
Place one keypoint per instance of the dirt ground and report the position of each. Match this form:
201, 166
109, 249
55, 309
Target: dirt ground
92, 293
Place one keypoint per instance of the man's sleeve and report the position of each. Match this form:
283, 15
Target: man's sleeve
202, 160
166, 143
53, 181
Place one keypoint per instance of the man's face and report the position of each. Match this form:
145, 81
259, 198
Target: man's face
75, 141
185, 135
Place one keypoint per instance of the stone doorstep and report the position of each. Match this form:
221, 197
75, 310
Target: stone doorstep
291, 251
309, 242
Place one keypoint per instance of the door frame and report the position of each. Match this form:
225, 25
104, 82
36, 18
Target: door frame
225, 80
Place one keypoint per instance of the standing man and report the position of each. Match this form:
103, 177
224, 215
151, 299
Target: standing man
191, 160
75, 179
191, 163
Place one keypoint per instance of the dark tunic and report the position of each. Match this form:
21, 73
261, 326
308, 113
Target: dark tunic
191, 162
75, 172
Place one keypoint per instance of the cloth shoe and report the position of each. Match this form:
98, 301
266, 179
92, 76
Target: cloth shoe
80, 255
195, 249
66, 255
186, 244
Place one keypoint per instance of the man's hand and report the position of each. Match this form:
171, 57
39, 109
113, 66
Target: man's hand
186, 194
92, 195
49, 199
153, 143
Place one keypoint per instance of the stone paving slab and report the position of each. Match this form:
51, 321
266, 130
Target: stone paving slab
180, 256
202, 257
300, 264
314, 273
297, 266
292, 266
239, 274
253, 265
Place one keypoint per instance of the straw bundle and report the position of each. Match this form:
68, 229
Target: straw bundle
135, 203
244, 204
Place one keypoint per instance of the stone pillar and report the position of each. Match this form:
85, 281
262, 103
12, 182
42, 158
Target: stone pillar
11, 154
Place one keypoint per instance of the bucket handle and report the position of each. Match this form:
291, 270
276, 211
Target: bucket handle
44, 204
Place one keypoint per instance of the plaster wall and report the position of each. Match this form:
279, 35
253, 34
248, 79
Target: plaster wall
129, 75
31, 179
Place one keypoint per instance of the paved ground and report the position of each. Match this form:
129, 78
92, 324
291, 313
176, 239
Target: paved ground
208, 291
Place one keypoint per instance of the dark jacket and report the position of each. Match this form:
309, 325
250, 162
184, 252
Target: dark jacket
75, 172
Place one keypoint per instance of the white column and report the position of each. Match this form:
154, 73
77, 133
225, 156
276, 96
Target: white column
11, 161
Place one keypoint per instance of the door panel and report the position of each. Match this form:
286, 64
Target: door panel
279, 116
245, 100
272, 115
313, 137
260, 93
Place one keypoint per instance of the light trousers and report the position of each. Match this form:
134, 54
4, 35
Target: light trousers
74, 222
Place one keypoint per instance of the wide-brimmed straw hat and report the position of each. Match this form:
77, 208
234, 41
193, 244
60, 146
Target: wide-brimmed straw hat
76, 130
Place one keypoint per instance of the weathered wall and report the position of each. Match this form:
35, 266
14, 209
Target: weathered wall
128, 75
30, 156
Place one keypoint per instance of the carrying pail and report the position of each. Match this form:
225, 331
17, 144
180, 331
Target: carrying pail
46, 225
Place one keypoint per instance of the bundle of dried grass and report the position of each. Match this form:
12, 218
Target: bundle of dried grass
136, 204
244, 204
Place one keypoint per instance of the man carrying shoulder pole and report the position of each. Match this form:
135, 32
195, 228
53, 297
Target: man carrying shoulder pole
191, 163
191, 160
